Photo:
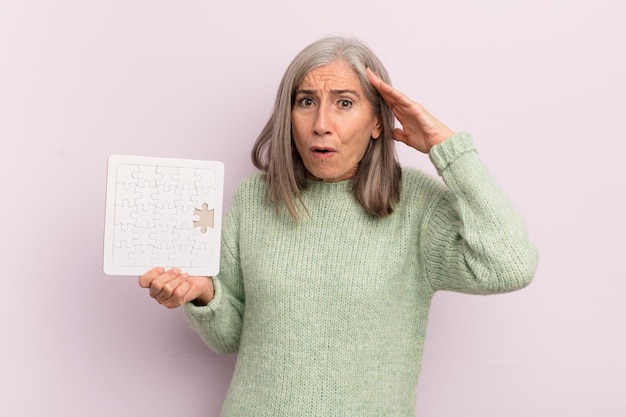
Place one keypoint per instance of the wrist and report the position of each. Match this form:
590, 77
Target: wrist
441, 138
204, 298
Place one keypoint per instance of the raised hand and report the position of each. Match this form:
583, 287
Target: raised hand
420, 129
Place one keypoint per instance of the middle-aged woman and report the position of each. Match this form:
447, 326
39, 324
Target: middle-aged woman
331, 254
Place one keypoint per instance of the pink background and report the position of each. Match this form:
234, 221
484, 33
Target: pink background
539, 84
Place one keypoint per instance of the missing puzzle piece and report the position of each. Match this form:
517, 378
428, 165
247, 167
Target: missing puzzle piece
205, 220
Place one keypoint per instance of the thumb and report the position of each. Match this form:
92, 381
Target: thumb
399, 135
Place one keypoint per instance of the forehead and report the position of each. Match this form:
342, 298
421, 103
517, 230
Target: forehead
334, 75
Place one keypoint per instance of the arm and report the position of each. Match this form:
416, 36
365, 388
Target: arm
219, 322
473, 240
213, 306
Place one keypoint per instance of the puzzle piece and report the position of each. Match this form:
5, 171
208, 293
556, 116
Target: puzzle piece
144, 231
185, 234
145, 215
163, 252
202, 257
126, 174
188, 198
205, 218
205, 195
124, 212
147, 176
187, 178
206, 179
203, 240
125, 192
164, 236
122, 253
167, 215
183, 255
166, 195
124, 233
167, 179
143, 256
145, 195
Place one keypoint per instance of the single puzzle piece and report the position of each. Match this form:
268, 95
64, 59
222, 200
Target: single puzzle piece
167, 215
145, 196
188, 198
124, 174
147, 176
163, 253
165, 195
202, 257
205, 218
183, 256
186, 178
124, 213
184, 217
206, 179
206, 195
124, 233
143, 256
121, 254
125, 192
202, 240
145, 214
164, 236
168, 178
185, 234
144, 231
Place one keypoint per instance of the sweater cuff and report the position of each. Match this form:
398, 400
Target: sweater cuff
444, 153
202, 311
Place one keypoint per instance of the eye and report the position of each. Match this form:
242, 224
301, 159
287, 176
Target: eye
345, 103
306, 102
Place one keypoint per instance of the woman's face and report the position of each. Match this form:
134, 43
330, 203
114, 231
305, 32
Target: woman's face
332, 121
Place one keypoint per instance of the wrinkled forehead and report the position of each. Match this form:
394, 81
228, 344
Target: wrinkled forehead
336, 75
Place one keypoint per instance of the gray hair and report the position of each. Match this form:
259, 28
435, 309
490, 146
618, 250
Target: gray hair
376, 185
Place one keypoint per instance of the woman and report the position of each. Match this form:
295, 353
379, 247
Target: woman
332, 253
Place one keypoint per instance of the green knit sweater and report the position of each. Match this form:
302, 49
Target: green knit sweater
328, 316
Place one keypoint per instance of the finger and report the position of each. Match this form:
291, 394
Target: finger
399, 135
393, 97
373, 78
169, 289
173, 293
159, 283
148, 277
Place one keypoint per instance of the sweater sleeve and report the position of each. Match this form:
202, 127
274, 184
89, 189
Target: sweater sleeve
474, 241
219, 323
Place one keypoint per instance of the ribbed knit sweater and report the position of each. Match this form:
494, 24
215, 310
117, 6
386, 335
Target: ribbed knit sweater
328, 315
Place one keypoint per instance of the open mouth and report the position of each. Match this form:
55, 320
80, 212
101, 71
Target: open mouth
322, 151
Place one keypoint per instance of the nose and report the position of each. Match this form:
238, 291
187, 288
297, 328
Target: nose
322, 122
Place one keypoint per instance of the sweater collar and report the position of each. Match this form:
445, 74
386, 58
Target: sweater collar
322, 189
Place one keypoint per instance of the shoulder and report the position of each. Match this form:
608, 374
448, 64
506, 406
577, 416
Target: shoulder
251, 185
416, 182
249, 195
420, 193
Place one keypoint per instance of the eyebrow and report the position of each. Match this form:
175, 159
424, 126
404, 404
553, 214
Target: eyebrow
335, 92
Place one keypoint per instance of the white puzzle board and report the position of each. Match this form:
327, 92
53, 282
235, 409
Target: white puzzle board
163, 212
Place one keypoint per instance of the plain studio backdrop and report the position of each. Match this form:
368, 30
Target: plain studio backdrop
539, 84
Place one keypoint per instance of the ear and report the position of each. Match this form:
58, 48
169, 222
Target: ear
378, 128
